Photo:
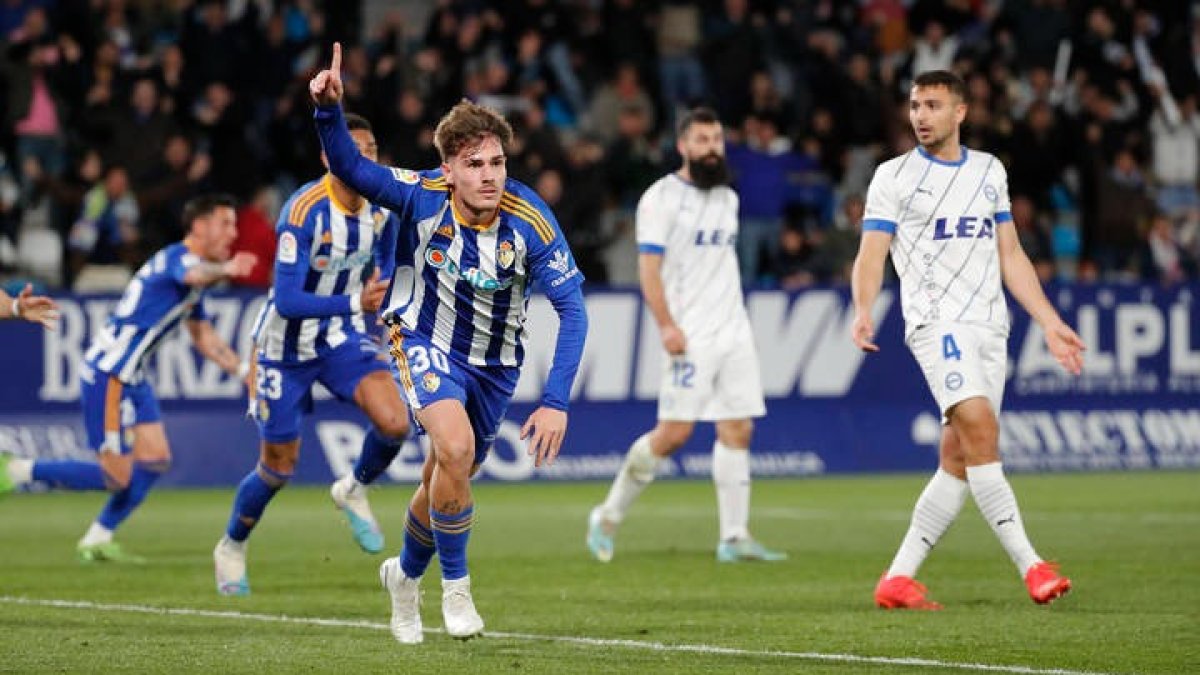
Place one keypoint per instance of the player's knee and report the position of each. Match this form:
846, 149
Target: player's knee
735, 433
393, 427
279, 459
116, 483
160, 465
668, 438
456, 456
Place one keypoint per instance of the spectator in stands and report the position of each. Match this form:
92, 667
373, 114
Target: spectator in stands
177, 175
1034, 235
1123, 207
256, 235
766, 173
794, 264
1163, 259
838, 245
624, 92
33, 109
140, 132
106, 232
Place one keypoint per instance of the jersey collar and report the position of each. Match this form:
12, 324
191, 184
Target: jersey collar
961, 160
328, 181
462, 222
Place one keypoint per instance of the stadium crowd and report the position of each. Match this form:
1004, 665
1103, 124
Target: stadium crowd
115, 112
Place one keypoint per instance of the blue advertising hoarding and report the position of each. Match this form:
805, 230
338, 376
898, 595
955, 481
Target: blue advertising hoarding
830, 408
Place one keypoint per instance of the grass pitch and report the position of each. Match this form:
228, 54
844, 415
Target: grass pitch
1131, 543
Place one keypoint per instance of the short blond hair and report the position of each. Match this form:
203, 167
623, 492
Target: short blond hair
468, 123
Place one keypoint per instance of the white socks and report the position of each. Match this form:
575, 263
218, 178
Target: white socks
731, 475
996, 501
20, 471
97, 534
636, 473
233, 545
936, 509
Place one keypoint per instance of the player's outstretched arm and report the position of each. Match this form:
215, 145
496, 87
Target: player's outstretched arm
34, 308
865, 282
207, 273
1022, 281
375, 182
212, 347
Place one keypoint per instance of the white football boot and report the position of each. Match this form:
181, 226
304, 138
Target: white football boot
458, 609
229, 559
351, 498
406, 602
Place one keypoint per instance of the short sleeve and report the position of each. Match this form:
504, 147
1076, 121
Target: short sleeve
652, 222
179, 263
1003, 205
293, 241
883, 208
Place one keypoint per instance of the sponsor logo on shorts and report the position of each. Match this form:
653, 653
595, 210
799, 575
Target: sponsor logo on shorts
954, 381
431, 382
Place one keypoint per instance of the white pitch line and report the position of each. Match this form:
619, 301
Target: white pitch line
711, 650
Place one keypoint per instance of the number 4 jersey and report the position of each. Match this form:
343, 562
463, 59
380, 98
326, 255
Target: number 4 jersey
944, 217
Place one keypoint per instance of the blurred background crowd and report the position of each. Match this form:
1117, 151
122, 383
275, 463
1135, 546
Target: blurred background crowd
115, 112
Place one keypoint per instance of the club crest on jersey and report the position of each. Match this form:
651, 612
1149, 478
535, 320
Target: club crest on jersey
430, 381
967, 227
990, 193
505, 255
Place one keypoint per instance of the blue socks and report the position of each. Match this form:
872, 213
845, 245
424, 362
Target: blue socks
253, 495
451, 532
377, 453
70, 474
122, 503
418, 547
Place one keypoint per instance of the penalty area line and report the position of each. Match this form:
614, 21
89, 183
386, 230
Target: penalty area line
662, 647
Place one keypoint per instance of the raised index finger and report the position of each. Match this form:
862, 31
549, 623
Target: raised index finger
336, 64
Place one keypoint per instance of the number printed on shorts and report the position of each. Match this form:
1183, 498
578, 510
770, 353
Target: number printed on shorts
420, 358
269, 383
950, 348
682, 373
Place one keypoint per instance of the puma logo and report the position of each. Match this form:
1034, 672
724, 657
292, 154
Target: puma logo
1010, 520
925, 191
927, 542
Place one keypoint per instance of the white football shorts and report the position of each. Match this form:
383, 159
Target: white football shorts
711, 382
962, 361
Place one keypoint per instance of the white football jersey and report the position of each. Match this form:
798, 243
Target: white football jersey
944, 217
695, 231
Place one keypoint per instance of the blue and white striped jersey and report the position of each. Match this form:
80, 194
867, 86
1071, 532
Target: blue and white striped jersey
153, 303
324, 254
470, 286
944, 217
